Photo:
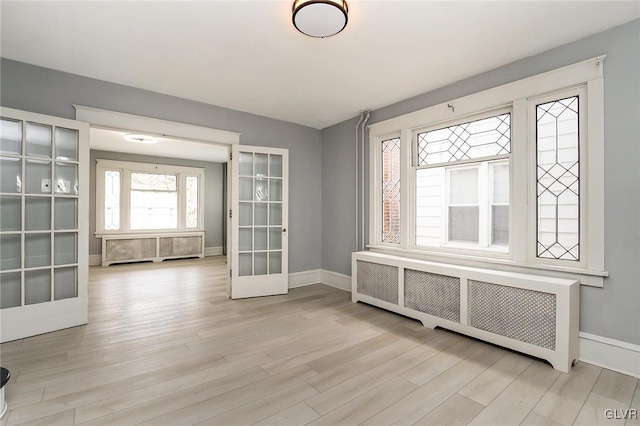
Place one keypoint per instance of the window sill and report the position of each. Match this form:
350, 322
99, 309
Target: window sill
585, 276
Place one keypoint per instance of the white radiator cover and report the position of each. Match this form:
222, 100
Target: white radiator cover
122, 248
528, 313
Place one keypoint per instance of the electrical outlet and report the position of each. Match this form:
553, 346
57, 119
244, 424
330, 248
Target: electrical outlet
45, 185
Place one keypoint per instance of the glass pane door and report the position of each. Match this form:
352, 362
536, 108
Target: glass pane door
40, 232
261, 206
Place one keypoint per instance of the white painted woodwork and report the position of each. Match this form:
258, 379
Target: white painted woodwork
566, 299
123, 248
254, 284
584, 79
29, 320
126, 168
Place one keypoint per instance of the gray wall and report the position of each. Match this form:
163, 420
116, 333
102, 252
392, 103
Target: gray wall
612, 311
42, 90
213, 200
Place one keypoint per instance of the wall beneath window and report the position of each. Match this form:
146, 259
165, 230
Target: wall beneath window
31, 88
213, 200
610, 312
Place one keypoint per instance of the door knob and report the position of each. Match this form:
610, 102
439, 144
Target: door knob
284, 230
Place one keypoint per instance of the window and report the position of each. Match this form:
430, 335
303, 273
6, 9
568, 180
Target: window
461, 175
391, 191
498, 177
558, 179
139, 197
154, 201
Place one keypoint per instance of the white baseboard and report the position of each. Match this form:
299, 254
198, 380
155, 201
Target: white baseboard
334, 279
611, 354
213, 251
95, 259
301, 279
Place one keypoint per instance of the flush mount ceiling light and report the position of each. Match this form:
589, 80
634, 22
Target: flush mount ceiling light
140, 138
320, 18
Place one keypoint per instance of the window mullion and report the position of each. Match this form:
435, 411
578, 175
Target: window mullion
125, 200
522, 177
182, 201
483, 204
100, 198
407, 187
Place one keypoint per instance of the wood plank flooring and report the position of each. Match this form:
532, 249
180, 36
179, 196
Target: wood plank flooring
165, 346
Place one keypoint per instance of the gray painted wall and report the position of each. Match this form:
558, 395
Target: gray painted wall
612, 311
46, 91
213, 200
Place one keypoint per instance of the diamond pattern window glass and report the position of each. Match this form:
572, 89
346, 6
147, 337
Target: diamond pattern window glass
558, 179
112, 200
192, 201
475, 139
153, 182
391, 191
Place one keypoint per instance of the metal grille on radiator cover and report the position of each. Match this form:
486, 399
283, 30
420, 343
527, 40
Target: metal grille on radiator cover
433, 294
525, 315
379, 281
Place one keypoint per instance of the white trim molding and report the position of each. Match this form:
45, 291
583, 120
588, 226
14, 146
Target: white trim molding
583, 81
320, 276
95, 260
611, 354
213, 251
304, 278
125, 169
152, 126
336, 280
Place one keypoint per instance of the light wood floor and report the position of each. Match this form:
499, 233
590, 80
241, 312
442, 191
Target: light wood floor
165, 346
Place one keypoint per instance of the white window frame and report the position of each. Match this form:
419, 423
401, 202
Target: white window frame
126, 168
584, 78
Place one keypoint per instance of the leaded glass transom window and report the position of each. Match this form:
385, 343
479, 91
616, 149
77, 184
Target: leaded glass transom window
391, 191
111, 200
558, 179
486, 137
192, 201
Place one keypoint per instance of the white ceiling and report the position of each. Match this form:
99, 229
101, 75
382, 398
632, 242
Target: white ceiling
246, 55
113, 140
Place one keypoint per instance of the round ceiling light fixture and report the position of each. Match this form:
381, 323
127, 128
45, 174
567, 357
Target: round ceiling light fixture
320, 18
137, 138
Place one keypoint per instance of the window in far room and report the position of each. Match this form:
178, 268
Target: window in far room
143, 197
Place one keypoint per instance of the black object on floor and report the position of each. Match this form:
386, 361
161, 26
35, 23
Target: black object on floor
5, 375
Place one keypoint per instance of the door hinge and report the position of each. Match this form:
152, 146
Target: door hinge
231, 156
230, 273
230, 213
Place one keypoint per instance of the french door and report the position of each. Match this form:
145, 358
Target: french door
44, 223
259, 205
